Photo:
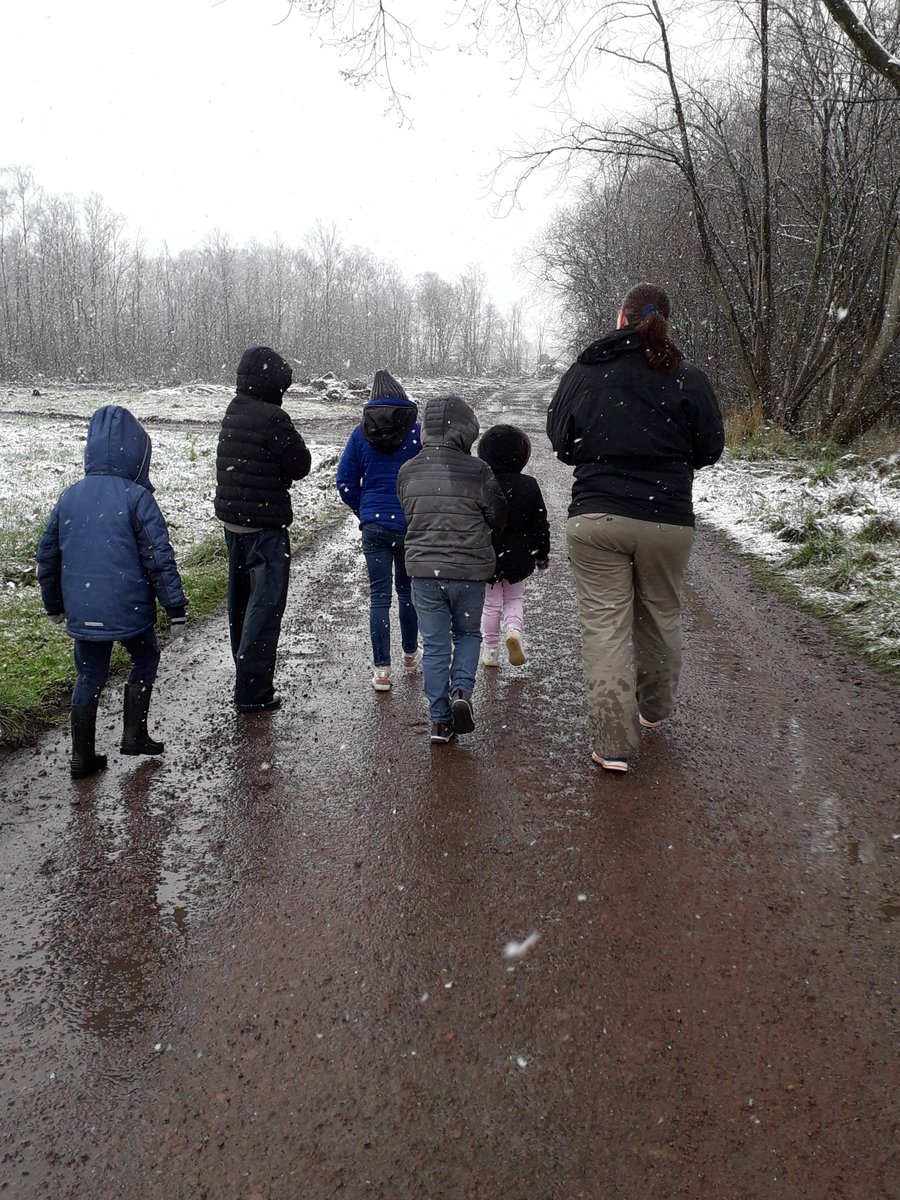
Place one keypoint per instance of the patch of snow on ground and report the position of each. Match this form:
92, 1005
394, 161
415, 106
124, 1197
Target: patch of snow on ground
748, 499
759, 503
190, 404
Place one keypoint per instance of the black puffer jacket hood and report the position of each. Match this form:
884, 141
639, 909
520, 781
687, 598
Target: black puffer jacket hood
505, 448
263, 374
386, 423
621, 341
449, 421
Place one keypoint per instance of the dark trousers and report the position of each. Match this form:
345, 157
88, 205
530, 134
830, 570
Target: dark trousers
92, 664
383, 549
258, 572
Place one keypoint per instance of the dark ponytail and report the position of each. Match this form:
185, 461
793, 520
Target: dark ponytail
646, 308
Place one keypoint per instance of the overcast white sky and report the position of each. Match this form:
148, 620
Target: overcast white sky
187, 116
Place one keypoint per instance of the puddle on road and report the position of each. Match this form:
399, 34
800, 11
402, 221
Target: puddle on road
172, 892
861, 852
889, 908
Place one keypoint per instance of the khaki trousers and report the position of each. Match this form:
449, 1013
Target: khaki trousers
629, 577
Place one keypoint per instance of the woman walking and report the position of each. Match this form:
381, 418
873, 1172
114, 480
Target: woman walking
635, 419
387, 436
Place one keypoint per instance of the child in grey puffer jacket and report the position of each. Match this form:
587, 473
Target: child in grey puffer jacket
452, 502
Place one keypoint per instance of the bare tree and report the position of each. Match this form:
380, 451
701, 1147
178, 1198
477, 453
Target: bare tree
692, 125
78, 296
474, 333
865, 40
437, 304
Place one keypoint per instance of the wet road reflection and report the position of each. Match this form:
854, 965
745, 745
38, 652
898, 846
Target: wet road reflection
109, 933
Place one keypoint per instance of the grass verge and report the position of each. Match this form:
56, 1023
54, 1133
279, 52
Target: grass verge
842, 541
36, 667
868, 625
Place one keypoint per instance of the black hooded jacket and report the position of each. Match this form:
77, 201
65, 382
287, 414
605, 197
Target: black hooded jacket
634, 435
389, 416
386, 424
525, 539
260, 453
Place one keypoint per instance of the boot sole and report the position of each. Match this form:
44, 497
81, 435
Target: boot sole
516, 651
610, 764
85, 772
135, 753
463, 721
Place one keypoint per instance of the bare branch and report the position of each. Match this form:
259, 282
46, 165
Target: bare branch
866, 42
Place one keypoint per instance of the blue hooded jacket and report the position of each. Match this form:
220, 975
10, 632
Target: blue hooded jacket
105, 553
367, 474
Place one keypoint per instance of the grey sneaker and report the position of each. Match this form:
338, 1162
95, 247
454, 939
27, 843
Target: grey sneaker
461, 707
442, 731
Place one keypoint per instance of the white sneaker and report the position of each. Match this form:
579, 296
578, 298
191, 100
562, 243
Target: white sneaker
411, 661
381, 680
514, 648
490, 656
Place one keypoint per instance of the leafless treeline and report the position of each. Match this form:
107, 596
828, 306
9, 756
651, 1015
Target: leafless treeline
80, 298
760, 186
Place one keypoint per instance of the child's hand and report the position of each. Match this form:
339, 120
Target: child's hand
543, 566
178, 626
56, 618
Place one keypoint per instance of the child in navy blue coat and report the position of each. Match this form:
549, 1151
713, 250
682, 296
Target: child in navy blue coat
522, 545
103, 560
387, 436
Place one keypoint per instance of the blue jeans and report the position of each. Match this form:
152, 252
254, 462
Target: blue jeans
449, 612
258, 571
92, 664
383, 550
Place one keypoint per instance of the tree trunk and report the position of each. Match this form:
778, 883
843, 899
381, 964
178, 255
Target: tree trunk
861, 410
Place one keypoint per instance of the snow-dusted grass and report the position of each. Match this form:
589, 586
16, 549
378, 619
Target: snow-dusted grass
828, 528
41, 452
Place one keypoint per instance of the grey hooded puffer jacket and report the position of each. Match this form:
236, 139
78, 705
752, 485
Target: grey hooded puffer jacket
451, 500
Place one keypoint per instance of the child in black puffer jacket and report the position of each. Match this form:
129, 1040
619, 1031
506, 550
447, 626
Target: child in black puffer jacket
523, 544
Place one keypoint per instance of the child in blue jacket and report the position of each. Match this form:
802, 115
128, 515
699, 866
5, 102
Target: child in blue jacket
103, 560
387, 436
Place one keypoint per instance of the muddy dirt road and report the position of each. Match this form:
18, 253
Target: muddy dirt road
270, 965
